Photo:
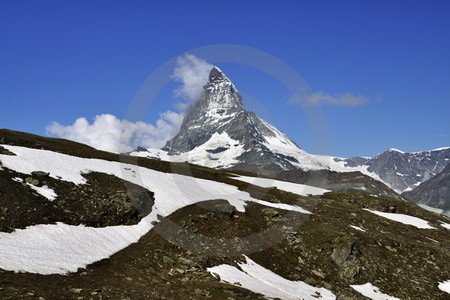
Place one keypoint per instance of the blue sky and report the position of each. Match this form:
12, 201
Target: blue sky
62, 60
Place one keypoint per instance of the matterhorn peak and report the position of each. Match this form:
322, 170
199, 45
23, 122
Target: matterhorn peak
217, 75
218, 82
218, 132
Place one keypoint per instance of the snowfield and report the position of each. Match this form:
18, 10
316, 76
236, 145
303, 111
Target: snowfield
444, 286
202, 155
60, 248
372, 292
280, 143
263, 281
405, 219
296, 188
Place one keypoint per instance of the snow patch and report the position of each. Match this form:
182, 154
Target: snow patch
44, 191
402, 218
263, 281
445, 225
358, 228
204, 154
282, 206
280, 143
432, 240
396, 150
370, 291
60, 248
296, 188
444, 286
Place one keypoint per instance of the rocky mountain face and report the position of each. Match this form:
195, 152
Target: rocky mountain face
217, 128
403, 171
78, 223
218, 132
434, 192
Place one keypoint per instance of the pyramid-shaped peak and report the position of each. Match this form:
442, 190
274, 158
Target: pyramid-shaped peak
217, 75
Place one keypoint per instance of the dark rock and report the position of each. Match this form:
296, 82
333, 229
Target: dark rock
6, 151
271, 214
225, 209
346, 256
311, 281
40, 174
391, 209
318, 273
217, 150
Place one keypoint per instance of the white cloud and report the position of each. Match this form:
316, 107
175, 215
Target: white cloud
323, 98
193, 74
109, 133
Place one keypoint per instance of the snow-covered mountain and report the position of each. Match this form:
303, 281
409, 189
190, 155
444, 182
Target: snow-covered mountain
219, 132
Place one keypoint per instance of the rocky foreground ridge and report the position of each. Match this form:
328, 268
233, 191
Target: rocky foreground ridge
329, 245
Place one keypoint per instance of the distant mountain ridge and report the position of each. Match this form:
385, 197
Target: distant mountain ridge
403, 171
434, 192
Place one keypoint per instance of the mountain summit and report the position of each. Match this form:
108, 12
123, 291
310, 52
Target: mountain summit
219, 103
217, 131
216, 75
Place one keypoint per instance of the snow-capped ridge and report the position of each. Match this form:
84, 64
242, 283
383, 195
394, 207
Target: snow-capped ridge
395, 150
417, 152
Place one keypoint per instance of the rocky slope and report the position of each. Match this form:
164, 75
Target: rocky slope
434, 192
339, 181
335, 245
